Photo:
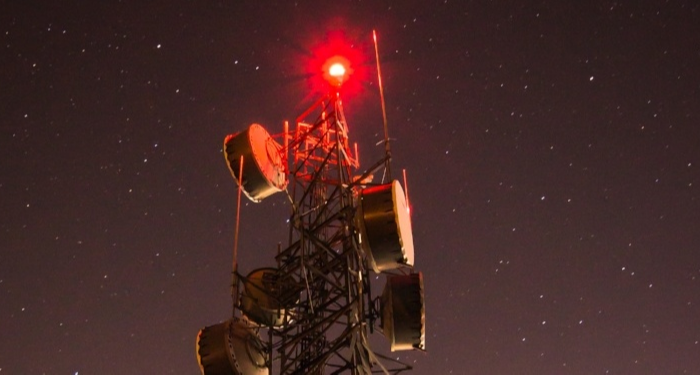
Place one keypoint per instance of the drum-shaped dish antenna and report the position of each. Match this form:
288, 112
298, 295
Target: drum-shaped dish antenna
263, 167
385, 227
230, 348
266, 299
403, 312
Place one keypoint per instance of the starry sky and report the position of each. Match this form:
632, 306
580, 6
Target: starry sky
551, 151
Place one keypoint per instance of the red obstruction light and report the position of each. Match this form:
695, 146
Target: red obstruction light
331, 52
336, 70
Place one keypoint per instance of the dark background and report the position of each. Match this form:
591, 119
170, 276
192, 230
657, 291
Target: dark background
552, 153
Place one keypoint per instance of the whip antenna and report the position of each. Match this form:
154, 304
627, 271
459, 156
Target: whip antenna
387, 147
234, 268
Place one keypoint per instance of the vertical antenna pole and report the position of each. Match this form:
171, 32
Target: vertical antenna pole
357, 156
408, 201
286, 146
387, 147
234, 271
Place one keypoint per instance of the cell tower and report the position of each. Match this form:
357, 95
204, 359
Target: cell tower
313, 310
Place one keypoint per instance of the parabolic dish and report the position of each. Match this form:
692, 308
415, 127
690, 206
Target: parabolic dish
403, 312
230, 348
263, 166
263, 301
385, 227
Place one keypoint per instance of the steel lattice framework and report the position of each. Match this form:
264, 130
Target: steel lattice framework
323, 260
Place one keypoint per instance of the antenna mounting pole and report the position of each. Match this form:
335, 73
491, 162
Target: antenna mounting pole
387, 146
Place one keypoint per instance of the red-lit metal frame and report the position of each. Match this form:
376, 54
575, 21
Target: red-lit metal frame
323, 276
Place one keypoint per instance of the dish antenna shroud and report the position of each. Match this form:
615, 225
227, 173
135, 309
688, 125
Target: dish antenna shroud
263, 171
403, 312
230, 348
385, 227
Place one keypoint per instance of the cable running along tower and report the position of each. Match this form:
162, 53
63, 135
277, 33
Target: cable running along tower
312, 311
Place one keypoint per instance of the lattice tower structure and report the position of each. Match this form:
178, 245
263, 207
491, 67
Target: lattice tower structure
323, 262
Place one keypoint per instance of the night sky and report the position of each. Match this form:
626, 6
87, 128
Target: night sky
552, 154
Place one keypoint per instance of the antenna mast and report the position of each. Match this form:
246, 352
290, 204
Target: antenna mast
313, 312
387, 146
